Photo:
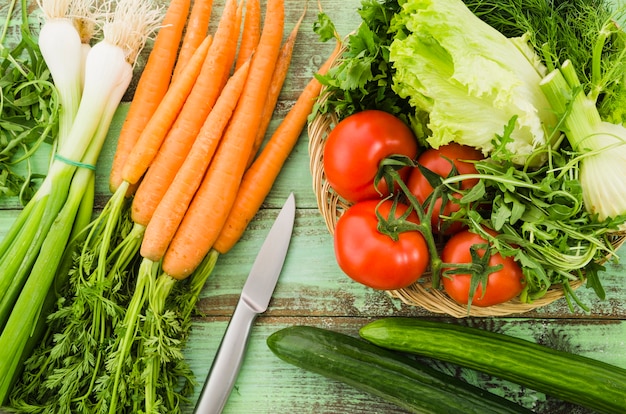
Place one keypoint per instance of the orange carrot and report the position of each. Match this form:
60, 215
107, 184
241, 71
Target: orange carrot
170, 211
169, 107
195, 109
259, 178
251, 32
278, 79
152, 85
197, 29
215, 196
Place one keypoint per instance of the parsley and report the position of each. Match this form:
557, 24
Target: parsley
363, 78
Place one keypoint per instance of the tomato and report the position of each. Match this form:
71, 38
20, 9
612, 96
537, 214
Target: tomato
373, 258
356, 146
502, 285
439, 161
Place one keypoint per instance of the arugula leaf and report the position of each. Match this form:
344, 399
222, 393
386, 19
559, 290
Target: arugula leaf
29, 106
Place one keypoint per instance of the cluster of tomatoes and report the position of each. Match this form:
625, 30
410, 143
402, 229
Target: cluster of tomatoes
388, 260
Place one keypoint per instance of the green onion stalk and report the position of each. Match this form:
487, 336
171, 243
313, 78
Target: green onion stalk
35, 245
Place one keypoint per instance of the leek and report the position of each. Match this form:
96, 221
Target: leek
34, 247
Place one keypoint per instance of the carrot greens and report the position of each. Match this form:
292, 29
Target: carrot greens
34, 248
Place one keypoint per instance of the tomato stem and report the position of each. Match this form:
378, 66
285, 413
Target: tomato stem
423, 227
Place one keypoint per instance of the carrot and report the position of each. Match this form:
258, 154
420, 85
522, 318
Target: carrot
259, 178
197, 29
188, 122
152, 85
278, 79
170, 211
215, 196
251, 32
170, 105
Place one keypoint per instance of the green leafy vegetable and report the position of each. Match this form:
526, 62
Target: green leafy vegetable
542, 221
363, 77
594, 43
469, 77
29, 106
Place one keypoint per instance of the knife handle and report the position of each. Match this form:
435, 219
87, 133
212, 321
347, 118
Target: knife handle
227, 362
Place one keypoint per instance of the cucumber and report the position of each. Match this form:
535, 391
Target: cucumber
395, 378
574, 378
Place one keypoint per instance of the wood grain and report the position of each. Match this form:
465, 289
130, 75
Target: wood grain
313, 291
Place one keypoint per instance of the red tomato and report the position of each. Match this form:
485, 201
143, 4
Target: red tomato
373, 258
439, 161
502, 285
355, 148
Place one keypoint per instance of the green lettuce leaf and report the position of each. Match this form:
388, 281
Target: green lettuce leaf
470, 78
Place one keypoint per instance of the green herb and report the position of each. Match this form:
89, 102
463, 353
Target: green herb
585, 32
29, 106
362, 78
541, 212
71, 371
542, 221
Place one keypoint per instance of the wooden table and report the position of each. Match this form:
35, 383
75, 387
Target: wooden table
313, 291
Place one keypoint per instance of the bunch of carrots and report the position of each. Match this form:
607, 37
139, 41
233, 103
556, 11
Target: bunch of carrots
187, 177
90, 79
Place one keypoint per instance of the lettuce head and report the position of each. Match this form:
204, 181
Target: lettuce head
470, 79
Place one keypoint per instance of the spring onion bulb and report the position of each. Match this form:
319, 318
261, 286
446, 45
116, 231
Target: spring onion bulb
35, 245
601, 145
87, 22
61, 47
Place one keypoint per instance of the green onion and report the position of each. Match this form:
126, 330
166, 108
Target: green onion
35, 245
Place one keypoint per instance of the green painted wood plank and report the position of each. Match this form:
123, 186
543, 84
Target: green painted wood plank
269, 385
313, 291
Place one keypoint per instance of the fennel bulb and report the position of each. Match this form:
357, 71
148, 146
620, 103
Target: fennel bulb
603, 171
600, 145
469, 78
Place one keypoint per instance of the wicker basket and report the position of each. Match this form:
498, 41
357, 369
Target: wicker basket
420, 293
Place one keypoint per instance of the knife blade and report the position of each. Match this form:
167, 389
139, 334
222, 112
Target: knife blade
254, 299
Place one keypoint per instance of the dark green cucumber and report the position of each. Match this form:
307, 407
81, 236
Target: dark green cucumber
397, 379
569, 377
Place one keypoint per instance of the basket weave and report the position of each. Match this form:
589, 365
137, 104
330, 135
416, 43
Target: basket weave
331, 206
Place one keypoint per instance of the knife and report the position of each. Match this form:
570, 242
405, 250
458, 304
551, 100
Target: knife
254, 299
